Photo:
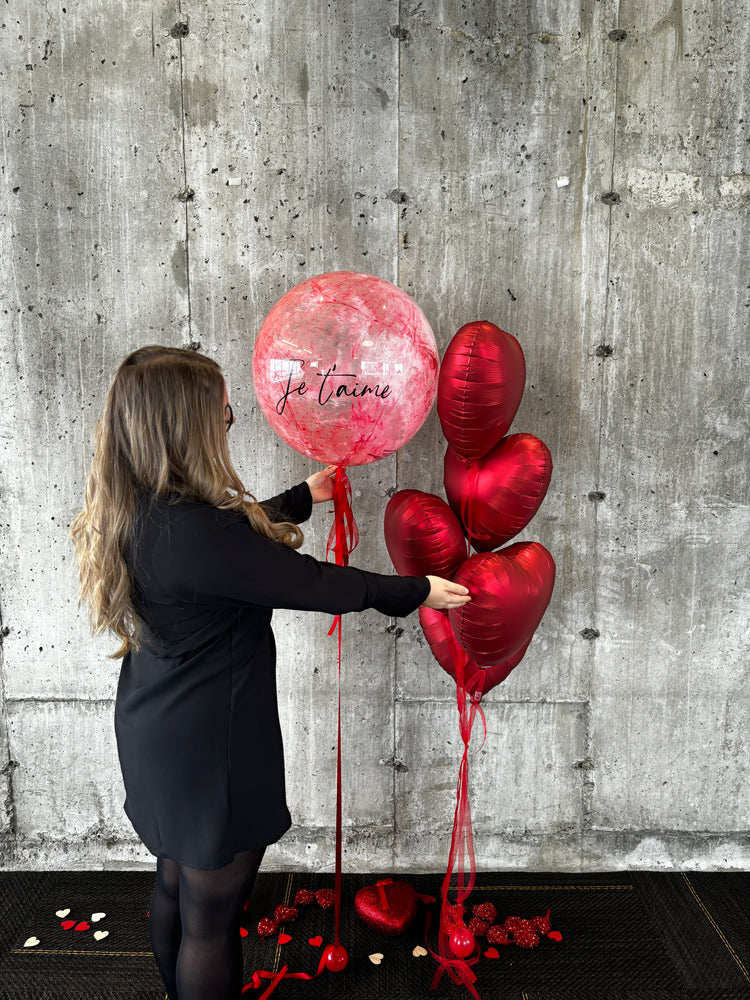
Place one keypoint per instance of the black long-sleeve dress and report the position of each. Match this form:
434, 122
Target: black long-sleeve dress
196, 717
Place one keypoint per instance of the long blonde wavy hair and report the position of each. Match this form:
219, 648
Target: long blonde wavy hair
162, 429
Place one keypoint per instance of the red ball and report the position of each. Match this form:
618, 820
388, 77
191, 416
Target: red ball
303, 897
462, 941
336, 957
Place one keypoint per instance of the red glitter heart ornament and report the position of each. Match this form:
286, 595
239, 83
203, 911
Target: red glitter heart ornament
388, 907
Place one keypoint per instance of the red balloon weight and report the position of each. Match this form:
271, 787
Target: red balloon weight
510, 591
497, 496
345, 368
480, 386
423, 535
477, 680
336, 957
462, 941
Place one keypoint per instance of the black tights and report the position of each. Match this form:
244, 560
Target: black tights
194, 924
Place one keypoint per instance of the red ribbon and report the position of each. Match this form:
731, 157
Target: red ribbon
381, 889
462, 840
276, 977
342, 540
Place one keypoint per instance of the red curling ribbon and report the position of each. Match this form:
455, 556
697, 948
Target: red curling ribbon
343, 537
276, 977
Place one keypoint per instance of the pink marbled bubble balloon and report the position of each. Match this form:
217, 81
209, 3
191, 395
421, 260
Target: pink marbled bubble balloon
345, 368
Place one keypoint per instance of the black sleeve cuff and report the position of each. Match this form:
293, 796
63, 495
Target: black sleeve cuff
293, 505
398, 596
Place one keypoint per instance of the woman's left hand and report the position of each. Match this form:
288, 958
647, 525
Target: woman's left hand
321, 484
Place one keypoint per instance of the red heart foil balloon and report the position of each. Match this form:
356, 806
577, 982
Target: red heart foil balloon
446, 650
510, 591
388, 908
423, 535
480, 385
496, 496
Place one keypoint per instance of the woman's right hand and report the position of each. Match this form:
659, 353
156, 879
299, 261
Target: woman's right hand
444, 594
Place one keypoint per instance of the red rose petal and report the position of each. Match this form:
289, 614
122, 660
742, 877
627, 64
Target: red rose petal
492, 953
316, 942
555, 935
285, 938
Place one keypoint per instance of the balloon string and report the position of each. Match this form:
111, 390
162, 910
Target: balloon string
461, 855
342, 540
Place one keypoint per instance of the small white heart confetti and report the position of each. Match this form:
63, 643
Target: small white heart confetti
376, 959
31, 942
97, 916
62, 913
100, 935
419, 951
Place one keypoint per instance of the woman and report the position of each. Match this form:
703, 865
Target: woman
185, 567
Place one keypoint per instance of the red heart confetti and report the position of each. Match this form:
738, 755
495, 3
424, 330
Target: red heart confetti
316, 942
243, 932
492, 953
67, 924
555, 935
303, 897
285, 938
83, 926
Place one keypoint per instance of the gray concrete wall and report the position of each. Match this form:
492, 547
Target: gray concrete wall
170, 168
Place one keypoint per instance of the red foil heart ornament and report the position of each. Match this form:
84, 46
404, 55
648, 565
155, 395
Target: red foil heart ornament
445, 648
388, 907
423, 535
510, 591
496, 496
481, 381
